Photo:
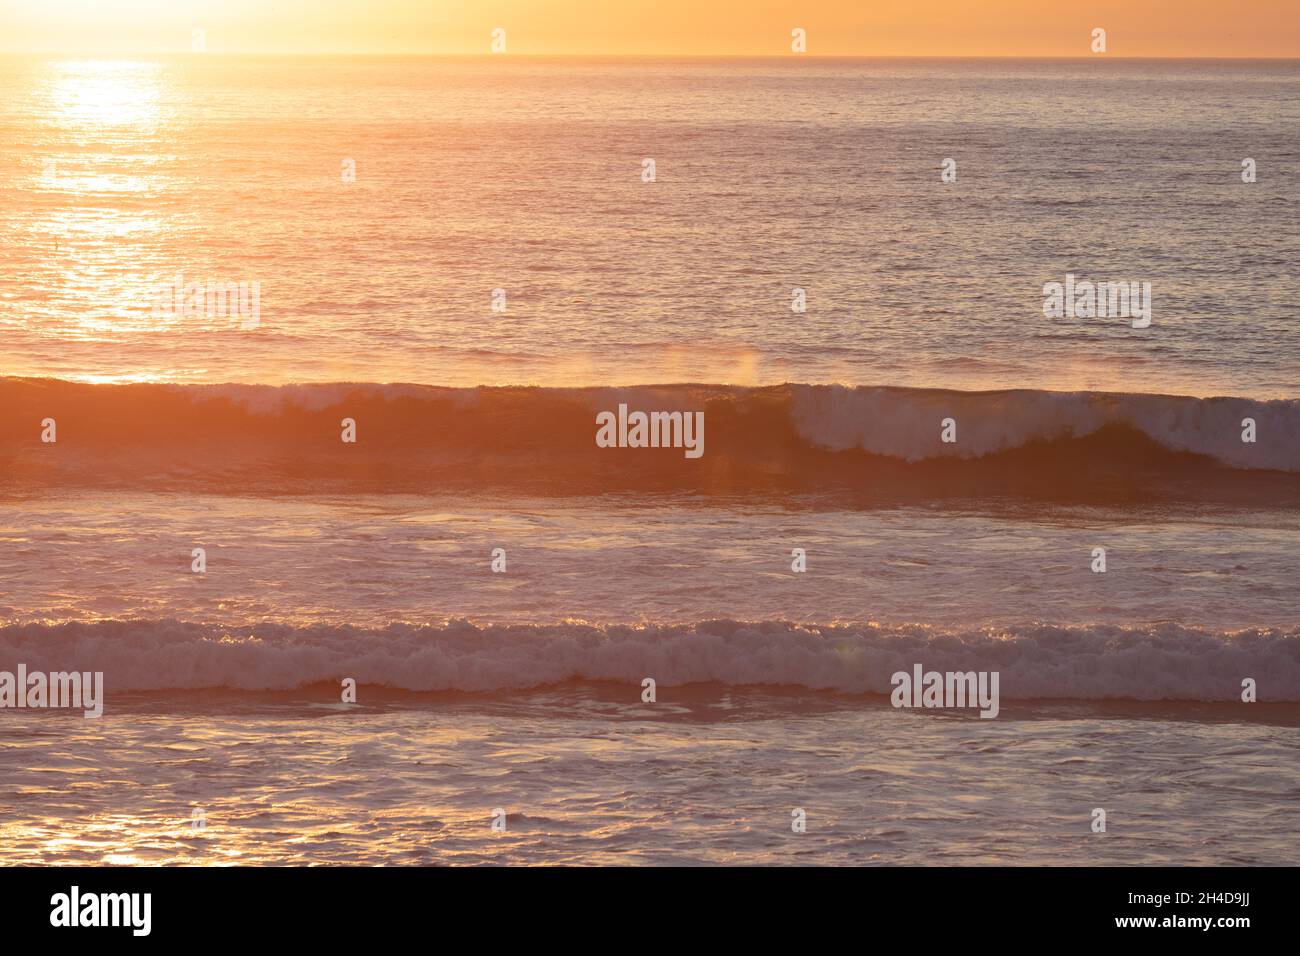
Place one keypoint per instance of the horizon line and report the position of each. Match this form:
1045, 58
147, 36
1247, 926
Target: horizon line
186, 54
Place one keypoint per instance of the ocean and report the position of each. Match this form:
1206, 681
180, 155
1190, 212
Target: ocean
904, 459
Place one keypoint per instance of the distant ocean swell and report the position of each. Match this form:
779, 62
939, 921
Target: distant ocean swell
881, 443
1095, 662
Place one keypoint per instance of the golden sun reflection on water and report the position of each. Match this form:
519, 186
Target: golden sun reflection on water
106, 93
100, 232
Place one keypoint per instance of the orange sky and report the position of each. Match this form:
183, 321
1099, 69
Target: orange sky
693, 27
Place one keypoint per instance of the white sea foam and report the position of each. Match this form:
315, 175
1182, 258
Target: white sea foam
904, 423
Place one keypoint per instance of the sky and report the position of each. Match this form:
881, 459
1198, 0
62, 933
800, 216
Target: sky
1227, 28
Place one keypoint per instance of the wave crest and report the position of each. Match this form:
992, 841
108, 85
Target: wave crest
1161, 662
878, 444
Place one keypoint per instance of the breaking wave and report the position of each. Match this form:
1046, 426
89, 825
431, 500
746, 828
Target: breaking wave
1158, 662
875, 443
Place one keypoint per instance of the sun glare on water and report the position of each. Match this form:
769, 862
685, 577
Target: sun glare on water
106, 93
100, 236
